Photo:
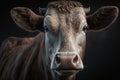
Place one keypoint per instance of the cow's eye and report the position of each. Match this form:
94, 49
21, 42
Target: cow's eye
85, 27
46, 28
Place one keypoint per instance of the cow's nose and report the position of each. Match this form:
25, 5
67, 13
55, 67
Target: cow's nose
67, 61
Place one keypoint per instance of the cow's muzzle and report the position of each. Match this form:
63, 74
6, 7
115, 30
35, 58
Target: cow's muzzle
66, 62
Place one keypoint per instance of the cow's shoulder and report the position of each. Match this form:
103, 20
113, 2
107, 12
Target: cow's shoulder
14, 42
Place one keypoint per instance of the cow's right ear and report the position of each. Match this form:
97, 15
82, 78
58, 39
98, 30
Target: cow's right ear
102, 18
27, 19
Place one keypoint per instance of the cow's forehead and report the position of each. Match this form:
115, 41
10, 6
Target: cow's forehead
75, 11
76, 17
76, 14
78, 11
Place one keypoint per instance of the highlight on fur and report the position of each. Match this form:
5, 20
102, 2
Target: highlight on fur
45, 56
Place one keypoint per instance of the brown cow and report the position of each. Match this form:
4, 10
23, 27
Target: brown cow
56, 53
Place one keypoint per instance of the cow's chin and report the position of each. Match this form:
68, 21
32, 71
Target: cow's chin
66, 73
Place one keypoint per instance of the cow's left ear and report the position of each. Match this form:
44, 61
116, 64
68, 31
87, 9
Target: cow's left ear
102, 18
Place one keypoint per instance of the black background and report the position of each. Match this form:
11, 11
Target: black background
103, 48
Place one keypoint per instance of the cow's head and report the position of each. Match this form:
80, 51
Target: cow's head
65, 24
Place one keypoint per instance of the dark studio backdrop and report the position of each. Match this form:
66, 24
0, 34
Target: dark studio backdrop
102, 58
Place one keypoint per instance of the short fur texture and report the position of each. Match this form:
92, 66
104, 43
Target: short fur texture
24, 58
64, 6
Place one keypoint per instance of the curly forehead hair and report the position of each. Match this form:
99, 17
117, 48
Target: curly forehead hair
64, 6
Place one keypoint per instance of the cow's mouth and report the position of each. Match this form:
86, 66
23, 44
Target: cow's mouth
66, 72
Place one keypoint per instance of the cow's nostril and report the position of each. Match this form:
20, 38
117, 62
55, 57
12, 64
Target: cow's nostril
76, 60
57, 59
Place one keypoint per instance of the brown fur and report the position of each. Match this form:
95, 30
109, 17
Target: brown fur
64, 6
24, 58
102, 18
27, 19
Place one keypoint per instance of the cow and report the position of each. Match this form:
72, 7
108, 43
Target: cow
56, 53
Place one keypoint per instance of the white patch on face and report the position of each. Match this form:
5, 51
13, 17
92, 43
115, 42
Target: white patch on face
55, 48
52, 40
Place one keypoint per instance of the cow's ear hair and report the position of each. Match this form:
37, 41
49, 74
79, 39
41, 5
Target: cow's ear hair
42, 11
102, 18
27, 19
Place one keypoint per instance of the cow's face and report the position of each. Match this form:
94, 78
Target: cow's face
65, 36
65, 39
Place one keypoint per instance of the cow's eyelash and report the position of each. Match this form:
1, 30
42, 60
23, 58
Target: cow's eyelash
85, 27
